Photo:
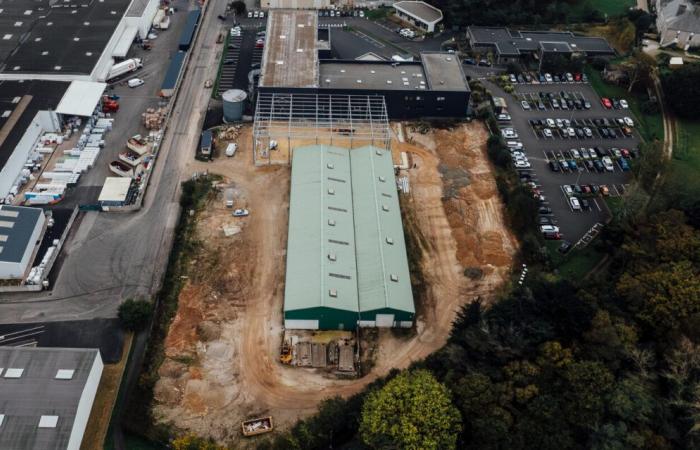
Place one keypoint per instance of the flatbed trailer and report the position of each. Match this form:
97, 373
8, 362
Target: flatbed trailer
257, 426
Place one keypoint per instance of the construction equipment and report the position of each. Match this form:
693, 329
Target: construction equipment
257, 426
109, 105
286, 353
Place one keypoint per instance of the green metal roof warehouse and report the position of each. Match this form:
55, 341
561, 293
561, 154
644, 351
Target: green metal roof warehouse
346, 254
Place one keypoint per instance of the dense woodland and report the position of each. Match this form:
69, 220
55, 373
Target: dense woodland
515, 12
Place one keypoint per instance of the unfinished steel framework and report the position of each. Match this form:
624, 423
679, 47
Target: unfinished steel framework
284, 121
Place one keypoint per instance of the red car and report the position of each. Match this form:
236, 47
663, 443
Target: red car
606, 102
577, 76
625, 152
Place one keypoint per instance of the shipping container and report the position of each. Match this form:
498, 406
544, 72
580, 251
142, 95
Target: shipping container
190, 27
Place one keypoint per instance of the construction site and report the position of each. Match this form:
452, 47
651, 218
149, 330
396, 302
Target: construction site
229, 357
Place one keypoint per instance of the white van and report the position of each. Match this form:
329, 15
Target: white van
231, 149
135, 82
515, 144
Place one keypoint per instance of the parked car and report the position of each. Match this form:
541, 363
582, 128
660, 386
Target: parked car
135, 82
554, 166
547, 133
575, 204
606, 103
624, 104
545, 220
545, 210
624, 165
525, 105
565, 247
607, 162
587, 104
240, 213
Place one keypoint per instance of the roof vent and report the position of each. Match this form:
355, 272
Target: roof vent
330, 165
7, 37
393, 277
359, 81
378, 152
382, 179
332, 257
65, 374
385, 208
389, 240
388, 81
331, 191
18, 24
48, 421
37, 39
13, 373
331, 222
333, 293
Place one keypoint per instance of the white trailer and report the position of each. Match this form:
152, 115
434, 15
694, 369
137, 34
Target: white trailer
123, 67
158, 18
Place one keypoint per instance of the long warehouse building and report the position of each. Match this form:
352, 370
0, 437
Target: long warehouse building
346, 254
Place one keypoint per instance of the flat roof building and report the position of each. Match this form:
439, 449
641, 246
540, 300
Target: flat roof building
510, 45
21, 230
290, 57
418, 13
46, 395
346, 254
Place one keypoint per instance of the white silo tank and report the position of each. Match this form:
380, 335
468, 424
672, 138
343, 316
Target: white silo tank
234, 105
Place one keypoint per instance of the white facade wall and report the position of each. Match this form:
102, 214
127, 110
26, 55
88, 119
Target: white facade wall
144, 22
18, 270
298, 324
85, 404
44, 121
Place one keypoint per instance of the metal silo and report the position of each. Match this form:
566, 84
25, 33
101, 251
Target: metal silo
234, 104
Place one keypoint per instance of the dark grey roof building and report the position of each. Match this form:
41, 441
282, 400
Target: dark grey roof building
21, 229
46, 395
510, 45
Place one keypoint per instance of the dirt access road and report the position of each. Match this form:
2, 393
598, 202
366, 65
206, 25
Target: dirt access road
223, 345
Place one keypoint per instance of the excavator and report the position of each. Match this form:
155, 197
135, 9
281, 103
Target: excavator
286, 353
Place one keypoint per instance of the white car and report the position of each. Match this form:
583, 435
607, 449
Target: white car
522, 165
262, 14
525, 105
519, 155
240, 213
256, 14
135, 82
575, 153
624, 104
362, 14
628, 121
250, 14
575, 204
231, 149
503, 117
592, 153
548, 78
587, 131
547, 133
567, 190
549, 229
607, 162
550, 123
560, 123
509, 133
571, 132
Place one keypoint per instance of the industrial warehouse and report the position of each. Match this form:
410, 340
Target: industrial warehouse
435, 86
346, 254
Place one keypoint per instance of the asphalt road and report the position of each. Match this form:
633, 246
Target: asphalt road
115, 256
573, 225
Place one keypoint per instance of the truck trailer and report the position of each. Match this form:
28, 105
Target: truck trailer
126, 66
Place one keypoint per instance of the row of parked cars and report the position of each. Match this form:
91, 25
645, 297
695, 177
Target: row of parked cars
614, 103
598, 159
583, 128
530, 77
562, 100
341, 13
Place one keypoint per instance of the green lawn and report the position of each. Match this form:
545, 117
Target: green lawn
609, 7
576, 264
650, 126
684, 170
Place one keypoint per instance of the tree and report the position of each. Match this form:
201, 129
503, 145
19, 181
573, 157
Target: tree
640, 68
192, 442
683, 90
413, 411
134, 315
238, 7
587, 384
663, 296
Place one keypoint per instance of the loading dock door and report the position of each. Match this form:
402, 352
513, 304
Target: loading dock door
385, 320
297, 324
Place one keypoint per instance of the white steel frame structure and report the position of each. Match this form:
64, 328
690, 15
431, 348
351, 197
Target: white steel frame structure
284, 121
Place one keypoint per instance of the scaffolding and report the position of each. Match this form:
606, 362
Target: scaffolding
285, 121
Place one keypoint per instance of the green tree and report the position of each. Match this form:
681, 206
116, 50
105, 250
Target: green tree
663, 296
238, 6
413, 411
683, 90
134, 315
632, 401
587, 384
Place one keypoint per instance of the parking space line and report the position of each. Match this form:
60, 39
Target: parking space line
595, 201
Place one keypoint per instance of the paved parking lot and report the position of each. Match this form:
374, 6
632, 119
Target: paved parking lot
539, 150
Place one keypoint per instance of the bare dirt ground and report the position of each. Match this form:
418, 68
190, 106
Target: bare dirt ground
223, 346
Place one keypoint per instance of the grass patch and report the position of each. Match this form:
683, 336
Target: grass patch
378, 14
215, 88
576, 264
650, 126
682, 180
610, 8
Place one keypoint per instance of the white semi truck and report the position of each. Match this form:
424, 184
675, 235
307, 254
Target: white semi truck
123, 67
